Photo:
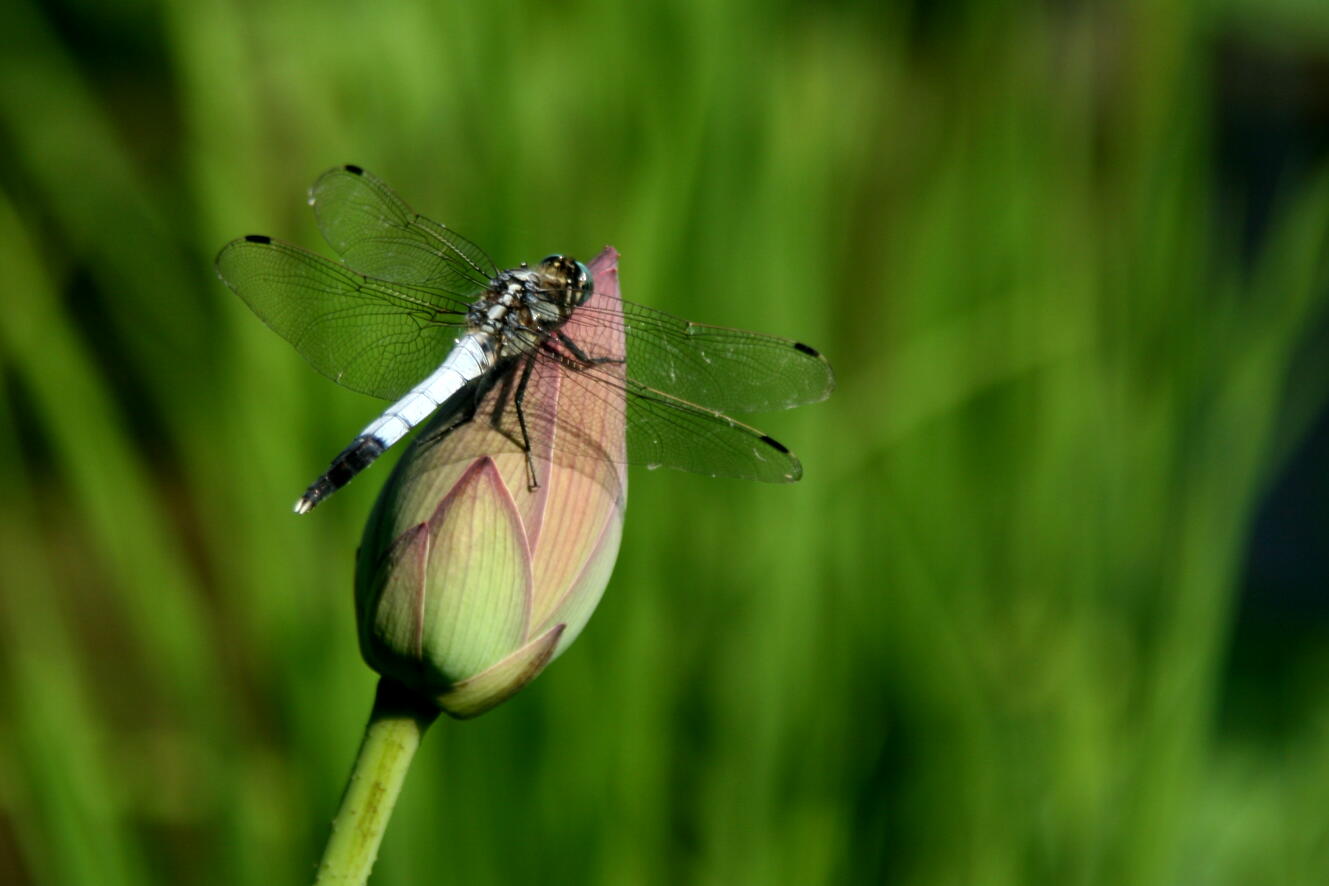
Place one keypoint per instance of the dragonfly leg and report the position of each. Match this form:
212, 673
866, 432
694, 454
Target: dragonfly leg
579, 354
517, 400
500, 409
501, 405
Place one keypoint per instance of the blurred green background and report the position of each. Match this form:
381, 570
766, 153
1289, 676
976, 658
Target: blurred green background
1046, 608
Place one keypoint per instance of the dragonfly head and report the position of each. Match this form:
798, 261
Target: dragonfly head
561, 272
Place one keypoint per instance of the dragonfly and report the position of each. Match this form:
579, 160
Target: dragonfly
417, 314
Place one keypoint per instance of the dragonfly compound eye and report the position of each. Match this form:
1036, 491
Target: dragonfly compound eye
567, 273
583, 283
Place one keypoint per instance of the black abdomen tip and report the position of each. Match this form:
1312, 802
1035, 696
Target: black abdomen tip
807, 349
353, 169
775, 444
258, 238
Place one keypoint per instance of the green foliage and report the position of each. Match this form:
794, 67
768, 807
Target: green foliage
981, 643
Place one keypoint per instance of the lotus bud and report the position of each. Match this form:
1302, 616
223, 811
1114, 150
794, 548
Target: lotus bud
469, 580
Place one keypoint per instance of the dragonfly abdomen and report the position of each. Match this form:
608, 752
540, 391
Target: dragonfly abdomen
469, 359
349, 462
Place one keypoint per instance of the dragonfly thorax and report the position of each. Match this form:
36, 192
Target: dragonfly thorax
523, 306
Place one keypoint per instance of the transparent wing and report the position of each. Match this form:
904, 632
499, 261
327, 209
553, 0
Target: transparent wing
565, 415
665, 432
368, 335
714, 367
377, 234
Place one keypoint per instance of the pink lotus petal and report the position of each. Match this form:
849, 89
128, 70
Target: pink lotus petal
492, 578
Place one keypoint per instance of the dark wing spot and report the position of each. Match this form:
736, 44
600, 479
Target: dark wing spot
810, 351
775, 444
353, 169
258, 238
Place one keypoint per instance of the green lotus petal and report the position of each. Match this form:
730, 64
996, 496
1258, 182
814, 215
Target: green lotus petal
478, 577
390, 618
497, 684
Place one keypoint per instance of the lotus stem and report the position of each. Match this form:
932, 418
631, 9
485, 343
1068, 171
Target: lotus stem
396, 723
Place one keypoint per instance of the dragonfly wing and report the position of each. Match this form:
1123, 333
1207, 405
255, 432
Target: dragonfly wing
569, 417
713, 367
368, 335
378, 234
664, 431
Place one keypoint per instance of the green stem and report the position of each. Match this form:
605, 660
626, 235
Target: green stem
396, 724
